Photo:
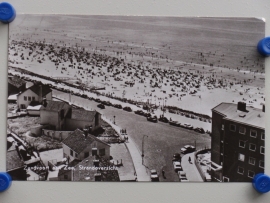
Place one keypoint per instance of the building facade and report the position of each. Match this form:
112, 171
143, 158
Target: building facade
237, 151
63, 117
34, 93
80, 145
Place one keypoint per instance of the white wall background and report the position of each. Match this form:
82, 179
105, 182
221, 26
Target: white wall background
32, 192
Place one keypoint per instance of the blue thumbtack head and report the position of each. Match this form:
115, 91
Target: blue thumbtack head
261, 183
5, 181
264, 46
7, 12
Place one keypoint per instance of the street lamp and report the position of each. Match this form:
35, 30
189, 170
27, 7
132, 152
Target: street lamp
143, 147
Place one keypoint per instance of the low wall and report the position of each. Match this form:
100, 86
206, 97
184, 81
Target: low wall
37, 130
58, 135
198, 164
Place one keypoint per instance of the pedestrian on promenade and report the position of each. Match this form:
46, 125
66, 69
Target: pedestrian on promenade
189, 160
163, 174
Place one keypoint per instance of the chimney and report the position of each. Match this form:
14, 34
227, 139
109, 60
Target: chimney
85, 131
40, 93
241, 106
263, 108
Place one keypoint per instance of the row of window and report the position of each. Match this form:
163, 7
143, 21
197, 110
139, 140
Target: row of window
250, 174
86, 154
29, 98
251, 160
242, 130
252, 147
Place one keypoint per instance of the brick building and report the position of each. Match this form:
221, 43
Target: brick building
237, 151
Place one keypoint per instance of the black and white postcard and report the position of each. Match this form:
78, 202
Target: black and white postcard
125, 98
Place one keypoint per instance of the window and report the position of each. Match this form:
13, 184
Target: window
252, 147
251, 174
86, 154
242, 143
76, 155
251, 161
263, 135
240, 170
262, 150
241, 157
242, 130
261, 164
225, 179
29, 98
33, 98
253, 133
65, 177
25, 98
101, 152
232, 127
71, 152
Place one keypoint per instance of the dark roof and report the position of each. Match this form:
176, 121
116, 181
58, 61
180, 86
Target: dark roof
82, 114
56, 106
89, 174
71, 164
16, 81
45, 89
77, 141
253, 117
13, 160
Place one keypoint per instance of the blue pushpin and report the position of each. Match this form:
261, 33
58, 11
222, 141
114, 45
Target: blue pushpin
264, 46
7, 12
261, 183
5, 181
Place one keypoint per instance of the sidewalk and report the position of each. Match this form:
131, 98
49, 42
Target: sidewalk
191, 170
140, 169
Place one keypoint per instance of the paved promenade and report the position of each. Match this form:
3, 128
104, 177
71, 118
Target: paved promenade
191, 170
140, 169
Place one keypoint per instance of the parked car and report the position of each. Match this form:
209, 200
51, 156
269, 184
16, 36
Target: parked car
163, 119
177, 166
146, 114
182, 176
176, 157
152, 118
199, 130
188, 126
154, 175
188, 149
107, 103
175, 123
101, 106
127, 108
139, 112
118, 106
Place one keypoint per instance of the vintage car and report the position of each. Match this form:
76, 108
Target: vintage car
152, 118
182, 176
154, 175
188, 149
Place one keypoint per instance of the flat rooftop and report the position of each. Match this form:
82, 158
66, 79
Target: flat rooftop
252, 117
